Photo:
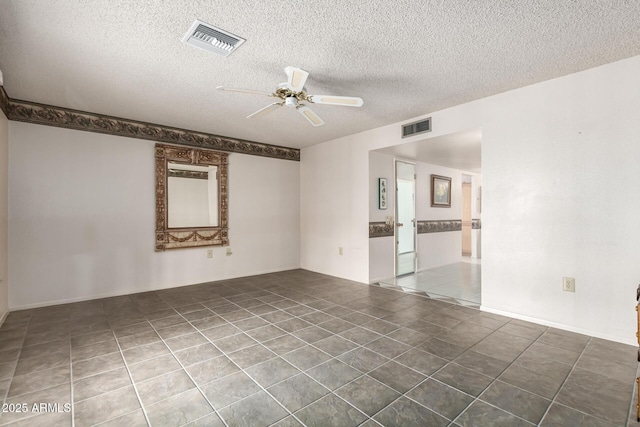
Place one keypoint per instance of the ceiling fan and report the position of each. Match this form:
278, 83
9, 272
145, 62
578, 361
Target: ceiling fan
293, 94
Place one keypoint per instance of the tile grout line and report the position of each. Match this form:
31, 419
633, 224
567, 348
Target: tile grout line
309, 344
225, 355
477, 398
221, 315
287, 333
73, 404
184, 369
13, 372
303, 372
553, 399
68, 328
311, 325
357, 346
555, 396
280, 356
309, 290
135, 389
431, 376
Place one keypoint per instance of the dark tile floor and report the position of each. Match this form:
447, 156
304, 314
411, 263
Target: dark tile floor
299, 348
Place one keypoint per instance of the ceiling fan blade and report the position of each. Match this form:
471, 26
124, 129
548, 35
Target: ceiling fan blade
297, 78
255, 92
345, 101
265, 110
308, 114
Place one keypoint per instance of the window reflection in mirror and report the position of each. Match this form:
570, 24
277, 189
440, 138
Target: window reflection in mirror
192, 195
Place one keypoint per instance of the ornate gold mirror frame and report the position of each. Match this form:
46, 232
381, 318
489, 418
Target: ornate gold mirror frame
188, 237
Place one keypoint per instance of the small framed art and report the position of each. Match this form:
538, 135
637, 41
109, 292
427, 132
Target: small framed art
440, 191
382, 193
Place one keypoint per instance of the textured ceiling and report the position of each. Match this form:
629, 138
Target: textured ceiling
404, 58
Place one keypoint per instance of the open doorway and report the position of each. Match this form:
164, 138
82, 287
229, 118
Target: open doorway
405, 218
435, 235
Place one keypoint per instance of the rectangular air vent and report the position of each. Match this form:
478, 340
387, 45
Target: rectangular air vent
416, 128
208, 37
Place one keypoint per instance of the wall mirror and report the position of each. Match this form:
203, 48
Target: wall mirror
191, 197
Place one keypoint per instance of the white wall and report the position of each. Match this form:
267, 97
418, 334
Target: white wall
382, 250
4, 157
381, 166
437, 249
82, 219
334, 198
424, 209
560, 198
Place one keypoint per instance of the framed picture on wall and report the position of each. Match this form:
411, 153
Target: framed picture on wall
440, 191
382, 193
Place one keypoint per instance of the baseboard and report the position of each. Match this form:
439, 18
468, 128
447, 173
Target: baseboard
589, 332
135, 291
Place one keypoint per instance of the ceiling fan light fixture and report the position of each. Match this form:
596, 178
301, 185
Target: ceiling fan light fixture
291, 101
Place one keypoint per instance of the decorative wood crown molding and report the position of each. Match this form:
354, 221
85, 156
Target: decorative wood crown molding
48, 115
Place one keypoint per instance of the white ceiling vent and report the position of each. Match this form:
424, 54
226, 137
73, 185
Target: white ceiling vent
416, 128
208, 37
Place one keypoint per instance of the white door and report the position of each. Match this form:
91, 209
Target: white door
405, 218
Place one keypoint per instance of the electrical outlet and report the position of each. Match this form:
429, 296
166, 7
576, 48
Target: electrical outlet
209, 253
568, 284
340, 250
229, 252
